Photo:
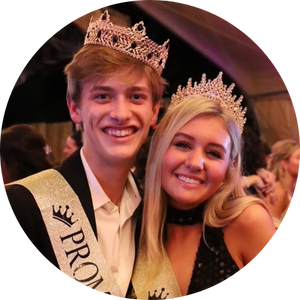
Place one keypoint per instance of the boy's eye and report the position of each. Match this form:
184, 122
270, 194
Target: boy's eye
101, 96
137, 97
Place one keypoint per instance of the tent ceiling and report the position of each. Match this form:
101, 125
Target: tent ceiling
239, 57
224, 42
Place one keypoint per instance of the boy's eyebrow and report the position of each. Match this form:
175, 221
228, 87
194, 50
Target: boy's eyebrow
139, 88
109, 88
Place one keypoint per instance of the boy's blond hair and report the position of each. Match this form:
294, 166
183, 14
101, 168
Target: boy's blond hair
94, 62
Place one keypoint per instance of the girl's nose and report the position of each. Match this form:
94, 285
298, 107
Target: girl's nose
195, 161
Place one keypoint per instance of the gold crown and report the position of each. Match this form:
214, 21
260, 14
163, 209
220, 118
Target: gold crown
131, 41
214, 90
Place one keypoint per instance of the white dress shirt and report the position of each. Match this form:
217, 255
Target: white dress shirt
115, 227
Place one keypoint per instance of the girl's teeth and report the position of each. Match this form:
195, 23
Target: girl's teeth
188, 180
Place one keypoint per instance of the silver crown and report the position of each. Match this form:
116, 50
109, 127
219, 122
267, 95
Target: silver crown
214, 90
131, 41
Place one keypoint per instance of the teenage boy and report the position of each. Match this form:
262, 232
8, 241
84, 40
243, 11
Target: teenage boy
81, 215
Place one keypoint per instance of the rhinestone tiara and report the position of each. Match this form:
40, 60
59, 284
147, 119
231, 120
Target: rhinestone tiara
131, 41
214, 90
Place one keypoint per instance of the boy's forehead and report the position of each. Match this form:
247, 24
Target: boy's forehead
121, 80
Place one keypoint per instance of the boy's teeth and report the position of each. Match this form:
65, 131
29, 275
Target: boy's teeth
119, 132
188, 180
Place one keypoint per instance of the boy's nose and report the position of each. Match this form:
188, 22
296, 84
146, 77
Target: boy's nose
120, 110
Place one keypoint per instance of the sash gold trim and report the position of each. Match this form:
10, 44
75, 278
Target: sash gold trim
164, 286
73, 240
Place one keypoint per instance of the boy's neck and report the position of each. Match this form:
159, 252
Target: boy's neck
113, 183
111, 176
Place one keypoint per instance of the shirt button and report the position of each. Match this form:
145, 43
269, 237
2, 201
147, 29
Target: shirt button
109, 207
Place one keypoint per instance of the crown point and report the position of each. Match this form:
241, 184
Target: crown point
104, 15
140, 27
167, 44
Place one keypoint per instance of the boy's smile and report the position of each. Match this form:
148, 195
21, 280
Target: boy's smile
116, 117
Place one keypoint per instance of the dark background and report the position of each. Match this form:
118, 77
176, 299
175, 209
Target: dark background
40, 91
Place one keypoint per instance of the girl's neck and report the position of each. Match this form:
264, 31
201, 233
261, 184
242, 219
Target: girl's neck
289, 183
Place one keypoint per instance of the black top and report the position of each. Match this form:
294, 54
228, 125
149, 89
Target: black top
213, 264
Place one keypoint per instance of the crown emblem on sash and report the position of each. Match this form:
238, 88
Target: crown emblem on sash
63, 217
131, 41
159, 296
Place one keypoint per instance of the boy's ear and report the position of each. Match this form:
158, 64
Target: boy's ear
74, 111
155, 111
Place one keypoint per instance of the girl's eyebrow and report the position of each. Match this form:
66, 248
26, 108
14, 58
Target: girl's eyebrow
187, 136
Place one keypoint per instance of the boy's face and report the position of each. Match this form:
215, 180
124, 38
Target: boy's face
116, 115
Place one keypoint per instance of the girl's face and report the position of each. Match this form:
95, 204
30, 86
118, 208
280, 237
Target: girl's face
70, 146
292, 164
196, 162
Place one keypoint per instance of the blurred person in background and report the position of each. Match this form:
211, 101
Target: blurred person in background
284, 164
24, 151
257, 180
73, 142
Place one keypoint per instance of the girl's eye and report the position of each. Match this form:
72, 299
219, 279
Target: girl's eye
183, 145
214, 154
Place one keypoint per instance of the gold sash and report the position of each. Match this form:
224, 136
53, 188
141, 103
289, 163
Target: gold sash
164, 286
73, 240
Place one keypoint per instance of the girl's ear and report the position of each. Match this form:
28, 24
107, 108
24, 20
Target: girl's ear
283, 163
232, 164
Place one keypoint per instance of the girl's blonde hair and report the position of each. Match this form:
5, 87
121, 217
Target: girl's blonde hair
220, 209
281, 150
94, 62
